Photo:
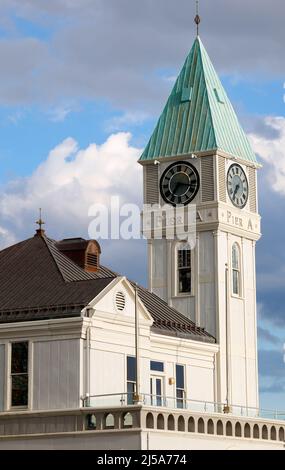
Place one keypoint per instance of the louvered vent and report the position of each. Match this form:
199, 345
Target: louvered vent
92, 260
222, 179
207, 166
120, 301
151, 186
252, 189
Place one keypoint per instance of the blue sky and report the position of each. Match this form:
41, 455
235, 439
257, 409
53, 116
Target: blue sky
88, 70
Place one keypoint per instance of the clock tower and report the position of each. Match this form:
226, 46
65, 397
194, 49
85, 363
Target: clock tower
199, 154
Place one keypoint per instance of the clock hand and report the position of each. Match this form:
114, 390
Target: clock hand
175, 188
236, 190
178, 185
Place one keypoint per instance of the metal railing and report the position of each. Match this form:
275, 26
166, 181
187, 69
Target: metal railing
125, 399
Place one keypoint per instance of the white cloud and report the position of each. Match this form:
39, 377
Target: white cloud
6, 238
63, 56
16, 117
272, 151
59, 114
66, 184
118, 123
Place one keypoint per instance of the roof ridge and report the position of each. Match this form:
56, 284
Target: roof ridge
62, 260
200, 44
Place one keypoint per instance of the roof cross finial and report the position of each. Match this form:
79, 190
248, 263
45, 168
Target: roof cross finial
197, 17
40, 223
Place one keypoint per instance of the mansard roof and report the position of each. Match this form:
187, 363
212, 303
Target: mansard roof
38, 282
198, 116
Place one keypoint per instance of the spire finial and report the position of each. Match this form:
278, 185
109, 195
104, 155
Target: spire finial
197, 17
40, 223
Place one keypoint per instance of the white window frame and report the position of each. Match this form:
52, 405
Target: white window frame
185, 384
9, 375
176, 271
237, 270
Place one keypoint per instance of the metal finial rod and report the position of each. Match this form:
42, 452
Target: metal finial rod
40, 222
197, 17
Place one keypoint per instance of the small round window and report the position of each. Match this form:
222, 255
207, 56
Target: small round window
120, 301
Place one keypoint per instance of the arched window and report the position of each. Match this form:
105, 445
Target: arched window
170, 423
160, 422
149, 421
109, 421
181, 424
236, 269
127, 420
184, 272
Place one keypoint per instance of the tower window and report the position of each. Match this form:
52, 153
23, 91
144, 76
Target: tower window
236, 269
184, 270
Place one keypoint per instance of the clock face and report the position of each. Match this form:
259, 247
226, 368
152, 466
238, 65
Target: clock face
237, 185
179, 184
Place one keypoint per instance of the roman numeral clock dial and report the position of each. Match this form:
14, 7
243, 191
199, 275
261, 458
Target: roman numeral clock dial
237, 185
179, 184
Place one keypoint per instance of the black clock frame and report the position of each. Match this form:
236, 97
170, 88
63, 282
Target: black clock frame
195, 171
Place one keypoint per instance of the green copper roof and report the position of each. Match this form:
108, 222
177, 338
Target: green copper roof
198, 115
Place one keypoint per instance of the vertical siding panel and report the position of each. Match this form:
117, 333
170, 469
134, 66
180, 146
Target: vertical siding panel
56, 374
208, 190
222, 179
36, 382
151, 185
252, 189
2, 375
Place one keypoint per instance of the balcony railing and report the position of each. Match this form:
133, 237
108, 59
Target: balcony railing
125, 399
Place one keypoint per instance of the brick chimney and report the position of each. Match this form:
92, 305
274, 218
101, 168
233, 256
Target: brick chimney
85, 253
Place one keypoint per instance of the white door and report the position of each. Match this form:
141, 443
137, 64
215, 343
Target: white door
156, 391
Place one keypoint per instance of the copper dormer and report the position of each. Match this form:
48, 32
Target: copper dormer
85, 253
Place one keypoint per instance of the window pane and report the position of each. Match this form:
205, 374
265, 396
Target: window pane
180, 376
19, 358
184, 258
180, 402
235, 257
157, 366
184, 280
20, 390
131, 391
131, 369
236, 282
158, 387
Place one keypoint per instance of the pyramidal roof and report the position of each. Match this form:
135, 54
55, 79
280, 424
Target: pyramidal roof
198, 115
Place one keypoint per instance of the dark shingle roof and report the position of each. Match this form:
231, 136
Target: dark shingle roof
38, 282
169, 321
34, 275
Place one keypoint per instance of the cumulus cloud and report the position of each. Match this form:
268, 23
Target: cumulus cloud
272, 151
68, 182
